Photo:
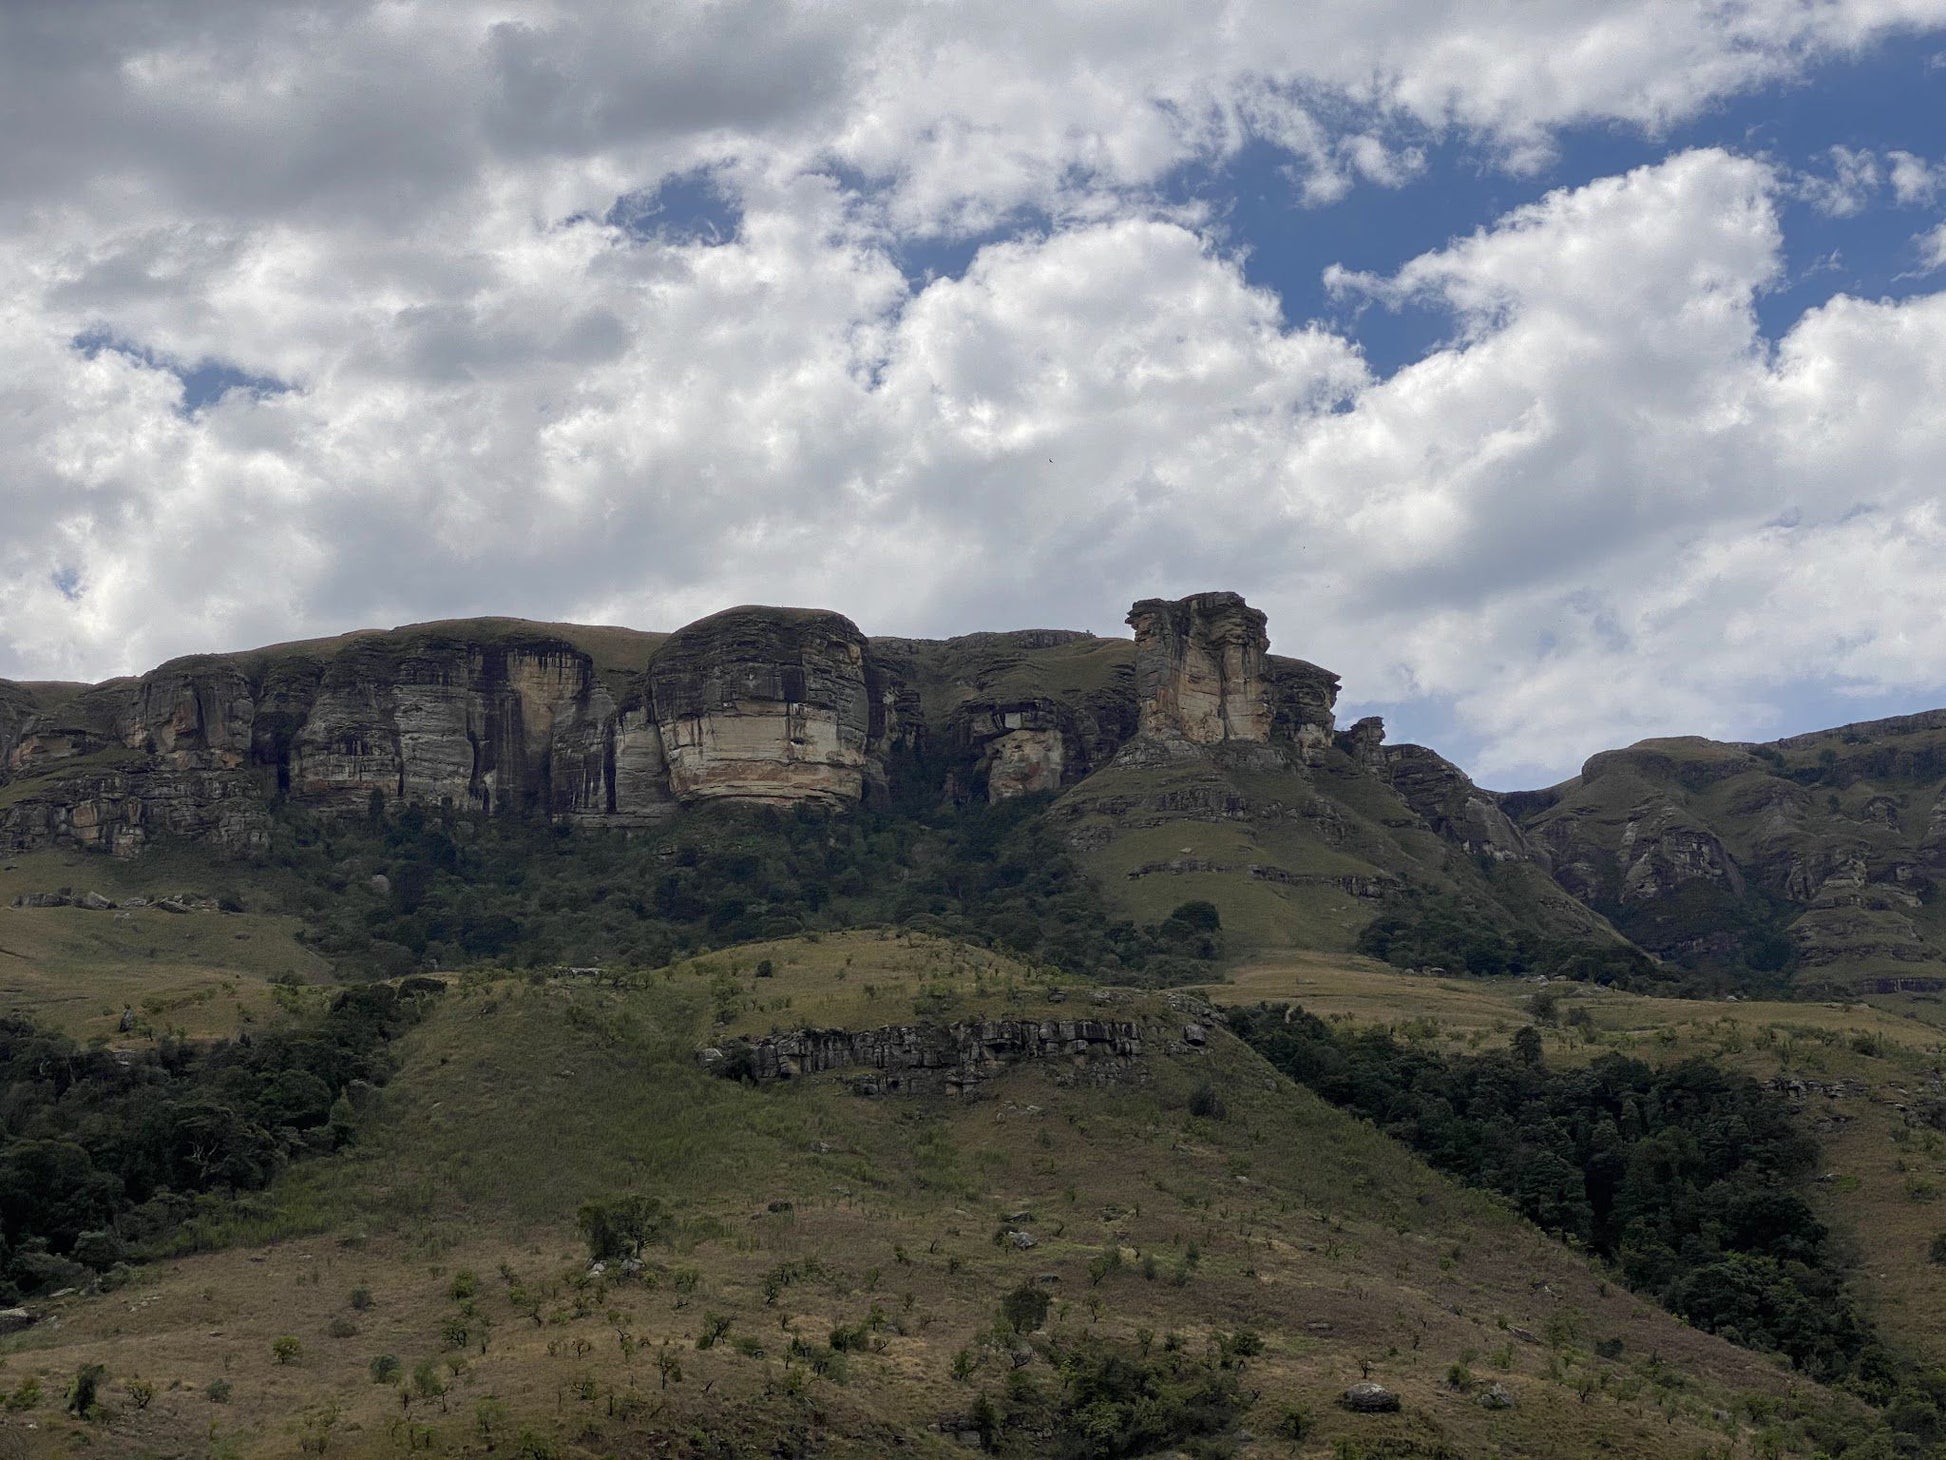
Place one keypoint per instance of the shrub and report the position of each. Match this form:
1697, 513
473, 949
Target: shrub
341, 1327
286, 1350
361, 1298
1294, 1423
622, 1227
1025, 1308
84, 1392
1206, 1104
386, 1369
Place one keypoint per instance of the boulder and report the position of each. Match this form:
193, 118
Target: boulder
13, 1320
1366, 1397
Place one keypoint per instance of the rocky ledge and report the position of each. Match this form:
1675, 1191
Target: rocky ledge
949, 1059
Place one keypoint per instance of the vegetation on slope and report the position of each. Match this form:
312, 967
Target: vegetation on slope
419, 889
104, 1153
1687, 1178
833, 1273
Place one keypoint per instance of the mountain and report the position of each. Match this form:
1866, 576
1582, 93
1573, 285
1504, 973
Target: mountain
1185, 764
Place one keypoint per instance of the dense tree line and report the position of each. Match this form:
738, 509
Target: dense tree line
1688, 1179
103, 1152
1447, 932
419, 889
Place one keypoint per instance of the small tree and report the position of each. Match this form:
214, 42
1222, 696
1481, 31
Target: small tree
85, 1390
1025, 1308
622, 1227
286, 1349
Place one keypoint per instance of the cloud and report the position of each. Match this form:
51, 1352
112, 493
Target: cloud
1914, 179
1932, 249
507, 395
1853, 183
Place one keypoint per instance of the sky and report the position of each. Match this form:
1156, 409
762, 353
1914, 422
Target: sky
1558, 374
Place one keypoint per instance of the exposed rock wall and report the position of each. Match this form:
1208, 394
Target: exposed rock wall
1199, 669
949, 1059
613, 727
759, 704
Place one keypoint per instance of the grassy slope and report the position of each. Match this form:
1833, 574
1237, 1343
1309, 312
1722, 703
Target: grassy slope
1330, 822
198, 972
519, 1100
1888, 1173
1854, 792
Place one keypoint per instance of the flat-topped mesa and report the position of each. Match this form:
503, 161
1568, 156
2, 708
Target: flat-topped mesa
764, 704
1199, 669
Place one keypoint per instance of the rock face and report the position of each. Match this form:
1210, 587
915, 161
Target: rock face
1813, 853
589, 726
768, 705
1199, 669
488, 716
948, 1059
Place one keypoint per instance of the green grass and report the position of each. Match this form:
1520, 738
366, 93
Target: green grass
202, 973
804, 1208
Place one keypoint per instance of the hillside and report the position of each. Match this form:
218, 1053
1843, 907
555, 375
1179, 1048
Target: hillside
833, 1265
1811, 860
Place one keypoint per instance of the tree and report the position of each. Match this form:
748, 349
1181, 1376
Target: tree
622, 1227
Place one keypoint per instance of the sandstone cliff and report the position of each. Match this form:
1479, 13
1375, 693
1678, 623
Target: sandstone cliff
765, 705
1199, 669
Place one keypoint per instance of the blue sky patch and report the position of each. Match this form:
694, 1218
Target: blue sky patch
203, 383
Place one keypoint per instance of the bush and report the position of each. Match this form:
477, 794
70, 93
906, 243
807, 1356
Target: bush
622, 1227
84, 1393
1025, 1308
217, 1391
286, 1350
386, 1369
1205, 1103
1294, 1423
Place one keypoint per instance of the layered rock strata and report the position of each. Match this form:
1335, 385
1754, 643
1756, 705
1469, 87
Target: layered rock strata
948, 1059
766, 705
1199, 669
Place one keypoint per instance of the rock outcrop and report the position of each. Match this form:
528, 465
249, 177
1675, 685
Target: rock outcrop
948, 1059
1199, 669
766, 705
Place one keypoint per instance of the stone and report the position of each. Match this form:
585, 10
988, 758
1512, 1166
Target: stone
95, 902
953, 1060
1495, 1396
1022, 1241
1366, 1397
764, 704
13, 1320
1199, 669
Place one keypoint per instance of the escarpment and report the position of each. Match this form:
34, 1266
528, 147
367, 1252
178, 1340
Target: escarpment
1185, 763
765, 705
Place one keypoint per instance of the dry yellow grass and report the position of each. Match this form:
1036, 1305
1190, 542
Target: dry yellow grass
518, 1100
1867, 1069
